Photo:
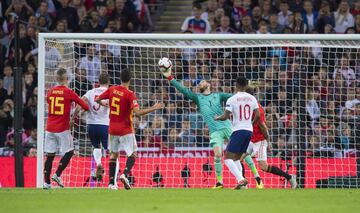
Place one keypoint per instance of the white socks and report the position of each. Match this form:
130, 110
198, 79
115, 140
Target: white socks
97, 156
234, 169
116, 171
238, 165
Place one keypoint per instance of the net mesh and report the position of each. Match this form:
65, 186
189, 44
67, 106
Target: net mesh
309, 90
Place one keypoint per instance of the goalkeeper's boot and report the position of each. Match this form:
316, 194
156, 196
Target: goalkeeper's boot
99, 172
259, 183
125, 181
57, 180
112, 187
218, 186
47, 186
293, 182
242, 184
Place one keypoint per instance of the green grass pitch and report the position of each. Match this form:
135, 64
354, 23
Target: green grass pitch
180, 200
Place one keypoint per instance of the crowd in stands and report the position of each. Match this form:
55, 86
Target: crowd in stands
326, 79
58, 16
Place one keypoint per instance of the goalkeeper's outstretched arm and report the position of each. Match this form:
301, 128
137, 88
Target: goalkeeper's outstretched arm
186, 91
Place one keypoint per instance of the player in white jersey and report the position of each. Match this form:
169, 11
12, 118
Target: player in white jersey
97, 120
242, 106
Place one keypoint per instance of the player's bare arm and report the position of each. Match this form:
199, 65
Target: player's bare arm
140, 112
264, 130
78, 107
256, 116
224, 116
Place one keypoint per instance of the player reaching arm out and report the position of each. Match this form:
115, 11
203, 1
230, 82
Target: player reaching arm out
211, 104
122, 105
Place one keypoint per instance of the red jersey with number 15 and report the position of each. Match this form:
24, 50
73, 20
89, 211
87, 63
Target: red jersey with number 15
59, 99
121, 103
257, 135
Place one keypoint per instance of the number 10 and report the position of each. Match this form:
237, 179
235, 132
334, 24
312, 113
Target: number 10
244, 111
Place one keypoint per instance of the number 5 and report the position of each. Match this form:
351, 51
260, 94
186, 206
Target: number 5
115, 104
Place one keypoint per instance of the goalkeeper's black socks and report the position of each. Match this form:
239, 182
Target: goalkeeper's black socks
48, 166
64, 162
129, 165
277, 171
112, 168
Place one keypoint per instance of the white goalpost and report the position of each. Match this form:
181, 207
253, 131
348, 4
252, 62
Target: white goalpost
309, 86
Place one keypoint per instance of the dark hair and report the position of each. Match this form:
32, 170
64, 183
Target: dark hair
197, 6
250, 90
61, 74
103, 78
125, 76
242, 82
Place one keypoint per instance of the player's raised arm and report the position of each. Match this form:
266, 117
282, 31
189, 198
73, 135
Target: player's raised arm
140, 112
186, 91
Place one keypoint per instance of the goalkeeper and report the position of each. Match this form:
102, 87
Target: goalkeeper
210, 105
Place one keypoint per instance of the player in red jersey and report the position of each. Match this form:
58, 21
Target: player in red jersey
259, 144
57, 135
122, 104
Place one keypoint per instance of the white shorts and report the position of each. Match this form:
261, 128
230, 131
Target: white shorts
125, 142
55, 141
258, 149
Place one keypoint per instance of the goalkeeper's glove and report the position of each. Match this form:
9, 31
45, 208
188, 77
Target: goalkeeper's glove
167, 74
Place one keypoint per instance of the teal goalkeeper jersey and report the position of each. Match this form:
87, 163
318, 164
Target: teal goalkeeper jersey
208, 105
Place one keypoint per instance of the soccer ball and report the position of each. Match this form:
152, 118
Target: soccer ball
164, 64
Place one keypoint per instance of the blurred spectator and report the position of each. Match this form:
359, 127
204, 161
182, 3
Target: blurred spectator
274, 26
80, 84
68, 13
149, 140
5, 122
246, 25
30, 113
353, 98
80, 8
195, 23
283, 15
44, 17
187, 135
298, 26
210, 10
225, 26
91, 63
125, 12
8, 79
312, 105
356, 9
343, 69
266, 10
19, 8
325, 18
310, 16
343, 17
173, 139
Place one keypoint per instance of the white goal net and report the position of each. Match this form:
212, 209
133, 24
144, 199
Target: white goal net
308, 86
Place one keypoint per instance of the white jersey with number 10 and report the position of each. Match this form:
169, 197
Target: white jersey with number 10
97, 114
242, 106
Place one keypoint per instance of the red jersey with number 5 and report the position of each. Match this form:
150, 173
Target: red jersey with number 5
59, 99
257, 135
121, 104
